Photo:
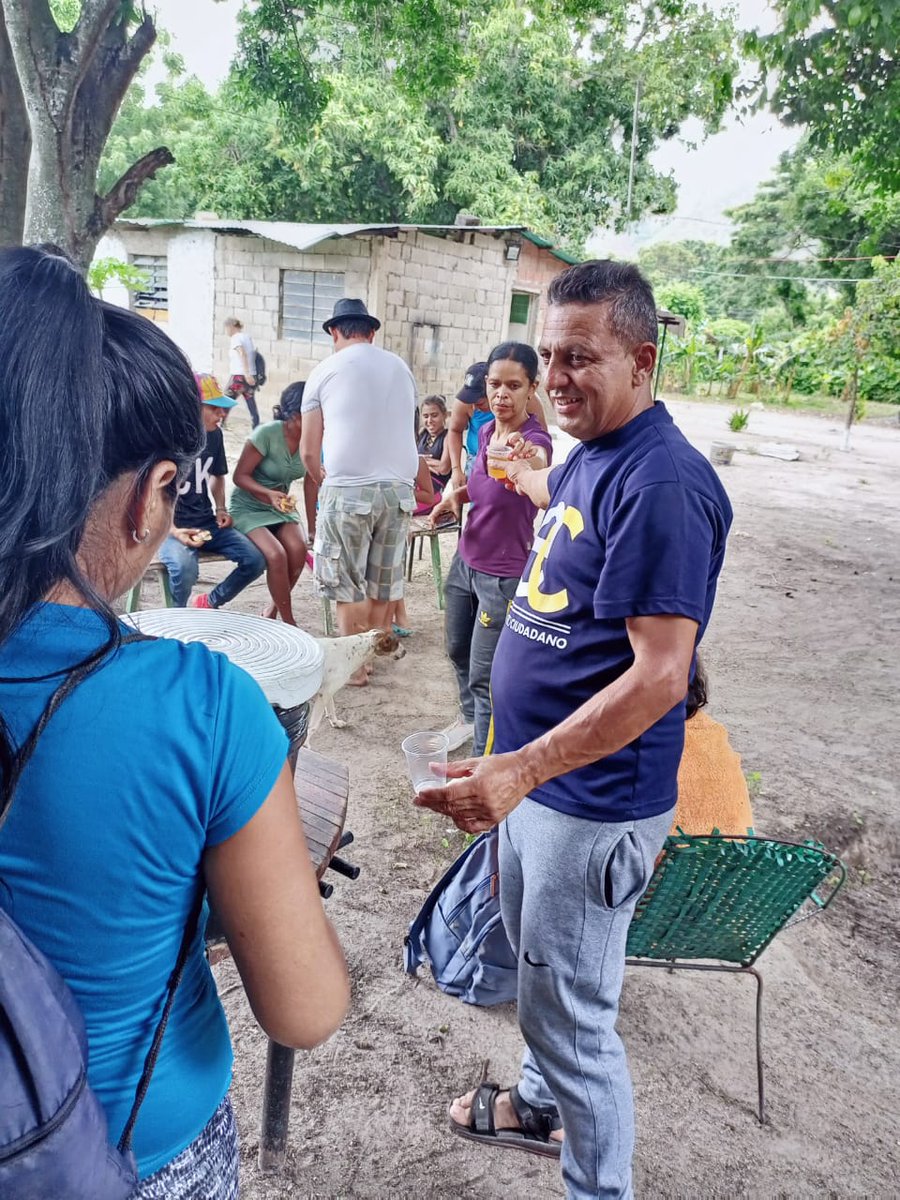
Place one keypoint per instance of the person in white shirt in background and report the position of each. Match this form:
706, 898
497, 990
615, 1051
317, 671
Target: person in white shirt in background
241, 367
359, 407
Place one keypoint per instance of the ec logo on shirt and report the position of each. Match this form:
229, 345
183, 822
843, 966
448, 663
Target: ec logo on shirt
561, 516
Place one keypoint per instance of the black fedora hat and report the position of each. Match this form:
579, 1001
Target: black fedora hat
350, 310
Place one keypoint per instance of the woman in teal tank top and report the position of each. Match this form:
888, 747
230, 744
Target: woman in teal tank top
162, 774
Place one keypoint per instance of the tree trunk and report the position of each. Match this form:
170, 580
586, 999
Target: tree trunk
852, 396
73, 84
15, 147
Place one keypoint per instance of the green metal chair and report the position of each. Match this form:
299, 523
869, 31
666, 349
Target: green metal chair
418, 533
725, 899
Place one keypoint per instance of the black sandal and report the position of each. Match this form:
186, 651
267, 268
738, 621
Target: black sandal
536, 1124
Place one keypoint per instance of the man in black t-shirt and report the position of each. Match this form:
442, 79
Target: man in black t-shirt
199, 527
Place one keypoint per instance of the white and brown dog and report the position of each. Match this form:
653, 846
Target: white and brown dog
344, 656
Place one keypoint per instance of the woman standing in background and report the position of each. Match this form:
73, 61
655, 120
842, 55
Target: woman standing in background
241, 367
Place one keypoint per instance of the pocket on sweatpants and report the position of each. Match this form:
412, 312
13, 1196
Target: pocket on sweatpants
624, 873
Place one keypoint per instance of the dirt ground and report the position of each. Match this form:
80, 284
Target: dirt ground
803, 657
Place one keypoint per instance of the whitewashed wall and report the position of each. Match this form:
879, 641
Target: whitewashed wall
191, 260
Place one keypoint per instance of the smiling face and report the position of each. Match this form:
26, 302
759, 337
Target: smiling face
508, 390
432, 419
596, 384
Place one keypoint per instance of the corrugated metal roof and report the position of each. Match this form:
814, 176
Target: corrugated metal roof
304, 237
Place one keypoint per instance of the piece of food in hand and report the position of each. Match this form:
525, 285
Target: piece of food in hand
199, 536
287, 504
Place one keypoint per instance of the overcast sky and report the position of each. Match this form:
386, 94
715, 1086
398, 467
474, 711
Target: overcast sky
721, 172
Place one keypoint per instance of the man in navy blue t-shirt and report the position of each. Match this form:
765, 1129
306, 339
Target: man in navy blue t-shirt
588, 689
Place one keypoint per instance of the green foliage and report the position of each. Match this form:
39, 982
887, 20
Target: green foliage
103, 270
833, 67
712, 267
686, 299
420, 108
739, 420
65, 14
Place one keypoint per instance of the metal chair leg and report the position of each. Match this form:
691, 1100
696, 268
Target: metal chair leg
327, 617
410, 556
673, 965
166, 588
760, 1069
437, 570
133, 599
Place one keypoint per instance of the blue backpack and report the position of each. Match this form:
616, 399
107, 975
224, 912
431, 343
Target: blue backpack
53, 1133
460, 933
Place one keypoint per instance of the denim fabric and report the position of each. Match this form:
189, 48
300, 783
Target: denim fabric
476, 607
569, 889
182, 563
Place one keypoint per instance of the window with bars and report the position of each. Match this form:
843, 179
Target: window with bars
307, 299
519, 308
153, 300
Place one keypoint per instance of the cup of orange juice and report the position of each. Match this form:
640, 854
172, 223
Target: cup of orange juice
497, 458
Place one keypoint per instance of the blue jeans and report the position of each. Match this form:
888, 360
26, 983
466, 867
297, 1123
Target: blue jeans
475, 610
183, 564
569, 890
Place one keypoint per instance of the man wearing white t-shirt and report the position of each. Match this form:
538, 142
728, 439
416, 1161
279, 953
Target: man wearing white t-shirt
359, 408
241, 367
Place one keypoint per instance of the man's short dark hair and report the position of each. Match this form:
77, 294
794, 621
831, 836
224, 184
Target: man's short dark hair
628, 297
353, 329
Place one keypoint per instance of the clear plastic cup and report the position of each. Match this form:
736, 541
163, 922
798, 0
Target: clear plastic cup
497, 458
422, 750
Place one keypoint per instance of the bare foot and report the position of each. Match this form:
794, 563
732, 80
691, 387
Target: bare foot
270, 612
504, 1113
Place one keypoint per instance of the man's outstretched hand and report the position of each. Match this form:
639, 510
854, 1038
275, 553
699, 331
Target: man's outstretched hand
482, 791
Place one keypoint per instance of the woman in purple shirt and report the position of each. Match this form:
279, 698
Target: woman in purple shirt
495, 542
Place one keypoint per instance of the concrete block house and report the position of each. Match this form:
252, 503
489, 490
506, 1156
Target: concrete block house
445, 294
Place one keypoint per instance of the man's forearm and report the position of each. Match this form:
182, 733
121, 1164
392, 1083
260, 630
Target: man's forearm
454, 445
603, 725
313, 464
535, 485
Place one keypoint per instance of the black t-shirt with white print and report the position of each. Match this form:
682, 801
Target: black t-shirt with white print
194, 509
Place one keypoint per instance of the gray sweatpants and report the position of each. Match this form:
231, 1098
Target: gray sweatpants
569, 888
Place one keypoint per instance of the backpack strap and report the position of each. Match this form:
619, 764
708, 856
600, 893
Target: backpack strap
187, 941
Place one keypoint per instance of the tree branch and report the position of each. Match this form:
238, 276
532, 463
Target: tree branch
94, 20
123, 192
118, 76
32, 34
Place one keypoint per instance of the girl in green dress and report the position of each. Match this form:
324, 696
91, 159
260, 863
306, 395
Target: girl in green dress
261, 504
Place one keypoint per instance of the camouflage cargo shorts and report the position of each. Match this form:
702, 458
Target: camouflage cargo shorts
361, 541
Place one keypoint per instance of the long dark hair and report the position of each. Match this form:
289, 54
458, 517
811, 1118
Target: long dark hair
698, 691
518, 352
88, 392
290, 402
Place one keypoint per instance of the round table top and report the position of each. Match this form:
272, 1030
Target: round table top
286, 662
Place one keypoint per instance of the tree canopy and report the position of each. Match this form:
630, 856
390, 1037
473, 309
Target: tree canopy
413, 111
832, 66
